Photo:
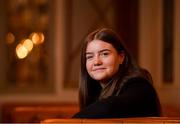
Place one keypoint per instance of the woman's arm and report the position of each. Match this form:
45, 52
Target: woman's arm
138, 98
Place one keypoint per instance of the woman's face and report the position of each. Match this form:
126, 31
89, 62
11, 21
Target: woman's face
102, 60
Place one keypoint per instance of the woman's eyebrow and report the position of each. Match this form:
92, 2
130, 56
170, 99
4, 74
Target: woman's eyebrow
100, 51
104, 50
89, 53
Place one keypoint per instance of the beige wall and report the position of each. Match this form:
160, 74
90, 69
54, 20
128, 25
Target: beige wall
150, 49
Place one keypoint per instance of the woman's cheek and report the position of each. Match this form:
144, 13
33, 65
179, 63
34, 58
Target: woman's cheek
88, 66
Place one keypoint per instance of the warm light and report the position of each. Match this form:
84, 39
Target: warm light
37, 38
28, 44
10, 38
21, 51
41, 35
34, 37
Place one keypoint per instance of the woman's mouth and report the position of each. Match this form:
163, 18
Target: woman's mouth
98, 69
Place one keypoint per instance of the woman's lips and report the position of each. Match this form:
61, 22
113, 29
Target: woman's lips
99, 69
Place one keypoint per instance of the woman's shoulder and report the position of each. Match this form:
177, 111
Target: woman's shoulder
139, 75
141, 79
138, 79
135, 80
137, 83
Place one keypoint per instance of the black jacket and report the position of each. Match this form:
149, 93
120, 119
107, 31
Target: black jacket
137, 98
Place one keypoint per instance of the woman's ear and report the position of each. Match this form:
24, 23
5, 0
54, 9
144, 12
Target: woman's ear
121, 57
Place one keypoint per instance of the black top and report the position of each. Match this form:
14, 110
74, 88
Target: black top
137, 98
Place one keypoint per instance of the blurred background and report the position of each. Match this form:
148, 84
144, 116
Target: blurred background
40, 43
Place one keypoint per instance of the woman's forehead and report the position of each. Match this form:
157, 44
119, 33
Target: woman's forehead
96, 45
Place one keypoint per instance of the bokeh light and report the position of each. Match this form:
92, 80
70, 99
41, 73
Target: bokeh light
37, 38
28, 44
21, 51
10, 38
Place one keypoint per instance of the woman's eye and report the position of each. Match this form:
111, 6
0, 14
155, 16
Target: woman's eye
89, 57
105, 54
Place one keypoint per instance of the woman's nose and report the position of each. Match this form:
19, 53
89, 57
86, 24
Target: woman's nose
97, 61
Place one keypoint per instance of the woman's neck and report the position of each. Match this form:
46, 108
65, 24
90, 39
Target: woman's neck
104, 83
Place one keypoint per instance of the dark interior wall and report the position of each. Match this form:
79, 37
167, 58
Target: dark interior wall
127, 23
85, 16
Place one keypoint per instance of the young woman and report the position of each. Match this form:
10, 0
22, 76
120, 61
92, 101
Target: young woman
112, 84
